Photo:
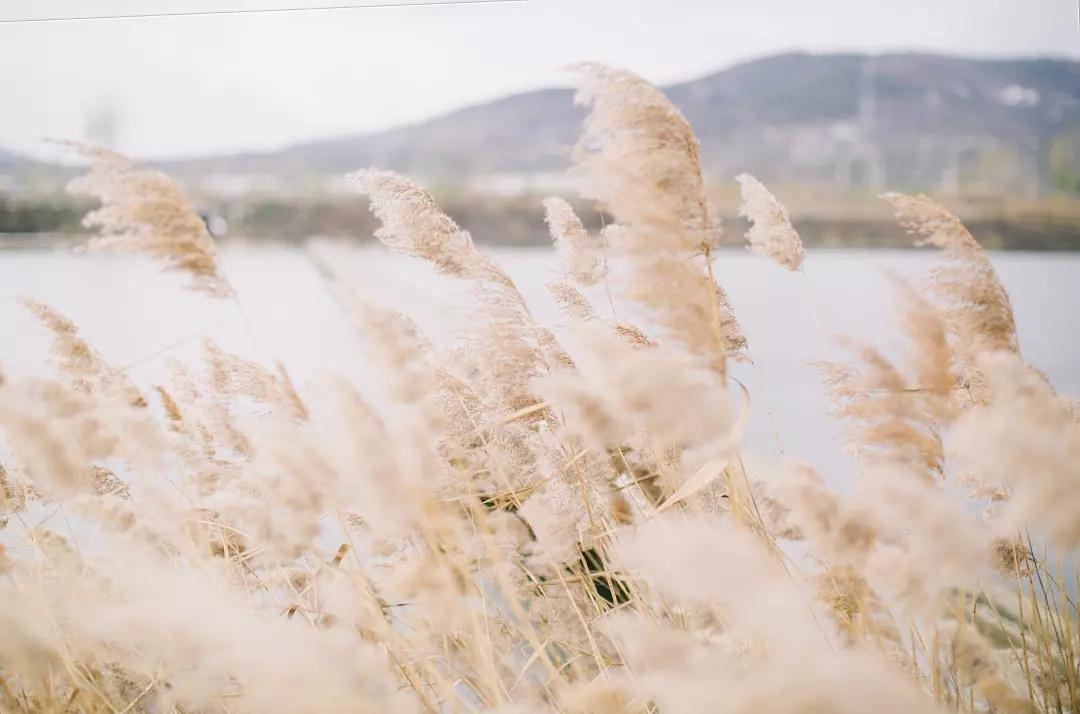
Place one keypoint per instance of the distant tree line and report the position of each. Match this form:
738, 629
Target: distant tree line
519, 221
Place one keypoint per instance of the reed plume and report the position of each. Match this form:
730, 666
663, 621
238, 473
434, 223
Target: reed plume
511, 346
640, 160
78, 362
144, 212
772, 234
581, 257
966, 285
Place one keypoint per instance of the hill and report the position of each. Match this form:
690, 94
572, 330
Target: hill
900, 120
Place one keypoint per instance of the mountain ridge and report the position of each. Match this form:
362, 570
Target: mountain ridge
795, 116
902, 120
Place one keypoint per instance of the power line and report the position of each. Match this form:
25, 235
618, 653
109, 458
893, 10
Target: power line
255, 11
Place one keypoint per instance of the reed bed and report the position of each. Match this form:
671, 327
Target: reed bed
540, 520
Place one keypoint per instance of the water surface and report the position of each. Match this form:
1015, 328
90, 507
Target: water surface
138, 317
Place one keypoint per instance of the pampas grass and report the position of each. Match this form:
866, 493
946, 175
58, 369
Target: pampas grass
535, 519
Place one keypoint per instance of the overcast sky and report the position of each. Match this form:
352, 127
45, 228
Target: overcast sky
196, 85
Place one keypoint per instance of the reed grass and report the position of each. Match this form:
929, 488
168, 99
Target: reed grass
540, 521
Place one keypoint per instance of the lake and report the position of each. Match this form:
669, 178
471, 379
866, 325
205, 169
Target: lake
137, 317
